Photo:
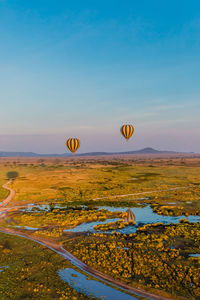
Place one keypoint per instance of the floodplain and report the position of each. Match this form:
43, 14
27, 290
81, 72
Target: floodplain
80, 205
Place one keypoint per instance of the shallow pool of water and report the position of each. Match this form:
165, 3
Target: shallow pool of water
144, 215
3, 268
92, 287
45, 207
195, 255
36, 208
26, 227
89, 226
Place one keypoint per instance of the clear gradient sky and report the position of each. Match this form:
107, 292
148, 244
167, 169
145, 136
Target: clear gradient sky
83, 67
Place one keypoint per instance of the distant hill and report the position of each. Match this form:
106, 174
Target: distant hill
17, 154
30, 154
147, 150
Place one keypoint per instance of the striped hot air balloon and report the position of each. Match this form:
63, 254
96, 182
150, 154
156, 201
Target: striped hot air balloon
73, 144
127, 131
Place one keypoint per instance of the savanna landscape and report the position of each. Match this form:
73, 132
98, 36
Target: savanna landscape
99, 150
64, 233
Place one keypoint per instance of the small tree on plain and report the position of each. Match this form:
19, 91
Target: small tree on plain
12, 175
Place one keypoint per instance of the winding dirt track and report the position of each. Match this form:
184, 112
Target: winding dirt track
144, 193
65, 254
10, 196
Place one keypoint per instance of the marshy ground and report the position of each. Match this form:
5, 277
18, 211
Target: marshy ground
54, 198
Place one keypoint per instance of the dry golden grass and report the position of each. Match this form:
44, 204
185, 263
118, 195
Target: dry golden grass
85, 178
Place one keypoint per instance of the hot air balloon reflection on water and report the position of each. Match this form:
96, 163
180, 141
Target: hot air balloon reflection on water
127, 131
73, 144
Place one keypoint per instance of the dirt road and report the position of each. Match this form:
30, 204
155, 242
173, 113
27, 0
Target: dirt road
144, 193
10, 196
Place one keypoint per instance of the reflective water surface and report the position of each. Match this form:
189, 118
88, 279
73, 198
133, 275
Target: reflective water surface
90, 287
195, 255
144, 215
3, 268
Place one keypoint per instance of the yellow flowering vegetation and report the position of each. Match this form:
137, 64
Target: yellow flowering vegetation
156, 256
52, 223
30, 271
176, 210
113, 225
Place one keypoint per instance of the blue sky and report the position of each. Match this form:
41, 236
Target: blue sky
82, 68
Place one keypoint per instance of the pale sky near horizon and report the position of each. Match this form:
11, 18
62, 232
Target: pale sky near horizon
83, 68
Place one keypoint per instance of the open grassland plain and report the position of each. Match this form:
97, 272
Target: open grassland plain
84, 179
81, 203
3, 193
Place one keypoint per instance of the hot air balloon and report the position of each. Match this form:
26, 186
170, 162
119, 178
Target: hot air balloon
73, 144
127, 131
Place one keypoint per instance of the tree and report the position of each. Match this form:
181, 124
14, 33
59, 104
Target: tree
12, 175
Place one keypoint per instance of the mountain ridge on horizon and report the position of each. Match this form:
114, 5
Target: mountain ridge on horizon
147, 150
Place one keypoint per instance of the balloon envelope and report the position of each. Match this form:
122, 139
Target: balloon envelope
73, 144
127, 131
